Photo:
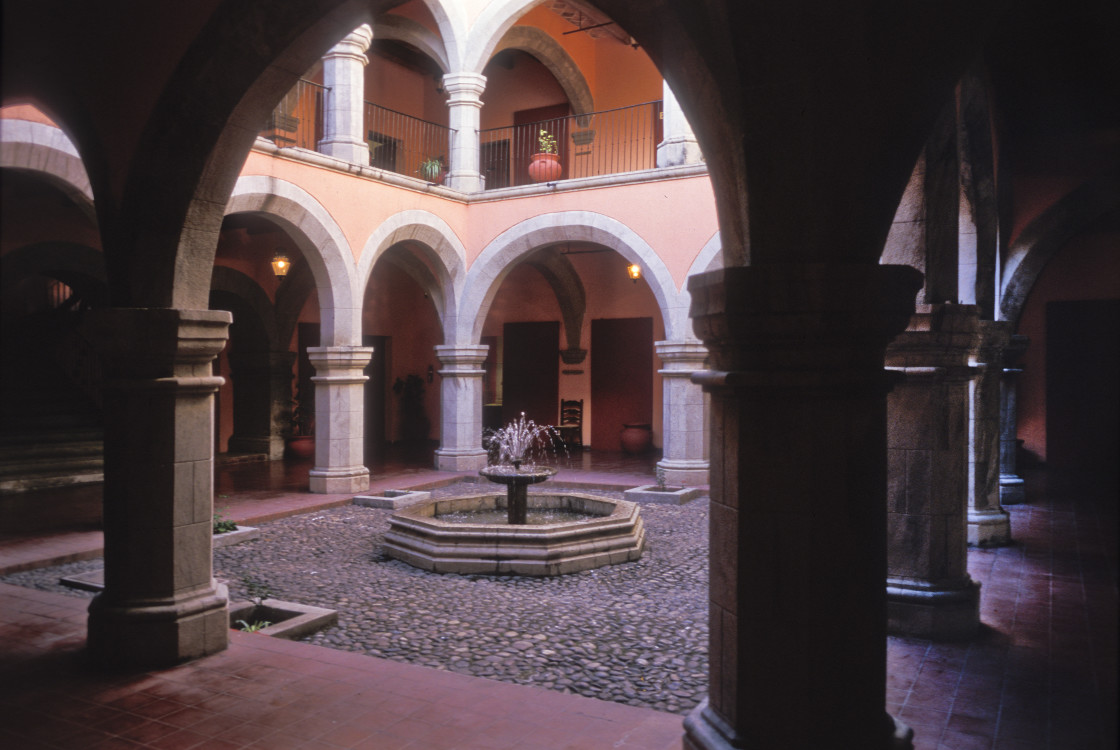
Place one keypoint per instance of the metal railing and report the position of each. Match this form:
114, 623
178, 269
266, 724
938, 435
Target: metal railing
405, 144
298, 119
588, 145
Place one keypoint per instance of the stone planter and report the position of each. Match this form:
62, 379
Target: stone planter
391, 499
651, 493
289, 620
243, 534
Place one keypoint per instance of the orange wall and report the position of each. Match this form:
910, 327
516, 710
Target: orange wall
1087, 268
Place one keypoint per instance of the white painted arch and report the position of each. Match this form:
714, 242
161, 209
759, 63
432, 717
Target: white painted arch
46, 150
445, 254
504, 251
322, 244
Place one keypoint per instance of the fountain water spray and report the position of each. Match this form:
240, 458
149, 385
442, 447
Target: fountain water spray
516, 441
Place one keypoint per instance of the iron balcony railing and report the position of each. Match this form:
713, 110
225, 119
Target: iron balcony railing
405, 144
298, 119
587, 145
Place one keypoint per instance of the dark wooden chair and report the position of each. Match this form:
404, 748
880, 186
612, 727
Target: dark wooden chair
571, 423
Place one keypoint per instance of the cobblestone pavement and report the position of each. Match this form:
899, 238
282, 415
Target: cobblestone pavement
635, 633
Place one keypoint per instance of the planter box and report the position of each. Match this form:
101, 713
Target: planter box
289, 620
650, 493
243, 534
391, 499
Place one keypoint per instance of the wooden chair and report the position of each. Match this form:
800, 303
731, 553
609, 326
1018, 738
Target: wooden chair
571, 423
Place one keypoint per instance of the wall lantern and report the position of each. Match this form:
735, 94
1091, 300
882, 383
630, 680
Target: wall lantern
281, 264
634, 271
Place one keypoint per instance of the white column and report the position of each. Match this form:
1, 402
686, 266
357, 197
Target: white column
344, 78
679, 145
989, 525
465, 113
339, 418
1012, 487
684, 414
461, 408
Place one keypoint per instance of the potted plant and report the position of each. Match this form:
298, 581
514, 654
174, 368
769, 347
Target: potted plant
545, 166
301, 435
432, 170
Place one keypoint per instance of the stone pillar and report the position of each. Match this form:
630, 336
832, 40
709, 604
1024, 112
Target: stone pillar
465, 112
798, 513
161, 604
929, 592
344, 116
989, 525
339, 418
461, 408
679, 145
270, 389
684, 414
1012, 487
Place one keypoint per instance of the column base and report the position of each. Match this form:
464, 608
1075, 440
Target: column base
352, 151
936, 611
989, 528
1012, 489
470, 460
339, 481
153, 634
705, 730
273, 447
685, 473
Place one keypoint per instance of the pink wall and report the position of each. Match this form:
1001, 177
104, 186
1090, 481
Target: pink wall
527, 85
1088, 267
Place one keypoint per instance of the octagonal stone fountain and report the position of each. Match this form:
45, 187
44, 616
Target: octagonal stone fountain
517, 533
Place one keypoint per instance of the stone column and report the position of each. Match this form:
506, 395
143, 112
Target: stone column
989, 525
798, 513
460, 410
161, 604
339, 418
344, 116
465, 112
269, 386
929, 592
679, 144
684, 414
1012, 487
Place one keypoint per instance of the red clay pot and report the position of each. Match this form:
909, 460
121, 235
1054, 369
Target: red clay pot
545, 167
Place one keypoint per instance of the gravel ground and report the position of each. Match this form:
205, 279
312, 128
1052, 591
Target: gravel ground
635, 633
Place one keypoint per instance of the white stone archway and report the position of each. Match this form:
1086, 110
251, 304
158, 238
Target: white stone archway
340, 360
36, 147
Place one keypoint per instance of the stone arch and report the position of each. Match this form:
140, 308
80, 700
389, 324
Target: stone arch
1044, 237
322, 244
498, 258
540, 45
406, 30
234, 282
710, 257
488, 29
35, 147
561, 276
443, 276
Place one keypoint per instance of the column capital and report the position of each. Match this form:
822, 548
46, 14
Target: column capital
681, 357
943, 337
801, 325
331, 360
460, 360
464, 88
353, 44
157, 342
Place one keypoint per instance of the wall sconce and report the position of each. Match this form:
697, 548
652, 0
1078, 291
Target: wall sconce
431, 373
281, 264
634, 271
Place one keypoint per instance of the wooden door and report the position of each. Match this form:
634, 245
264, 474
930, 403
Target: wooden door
621, 378
531, 371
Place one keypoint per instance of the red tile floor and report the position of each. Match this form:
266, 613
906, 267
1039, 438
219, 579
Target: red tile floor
1040, 675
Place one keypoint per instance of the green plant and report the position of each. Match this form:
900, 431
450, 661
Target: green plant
257, 590
547, 142
430, 169
223, 525
256, 625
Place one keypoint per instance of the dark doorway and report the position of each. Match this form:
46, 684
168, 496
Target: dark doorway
376, 448
303, 400
1083, 392
621, 378
530, 372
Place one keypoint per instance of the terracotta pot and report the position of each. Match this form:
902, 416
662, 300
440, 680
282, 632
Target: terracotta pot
301, 447
636, 438
545, 167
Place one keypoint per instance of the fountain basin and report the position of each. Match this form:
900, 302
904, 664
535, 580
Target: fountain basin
615, 534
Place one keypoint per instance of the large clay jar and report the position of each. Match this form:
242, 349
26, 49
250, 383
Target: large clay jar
636, 438
302, 446
545, 167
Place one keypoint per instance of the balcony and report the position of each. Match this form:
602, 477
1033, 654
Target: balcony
592, 144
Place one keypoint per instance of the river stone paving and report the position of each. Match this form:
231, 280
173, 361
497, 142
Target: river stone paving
635, 633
